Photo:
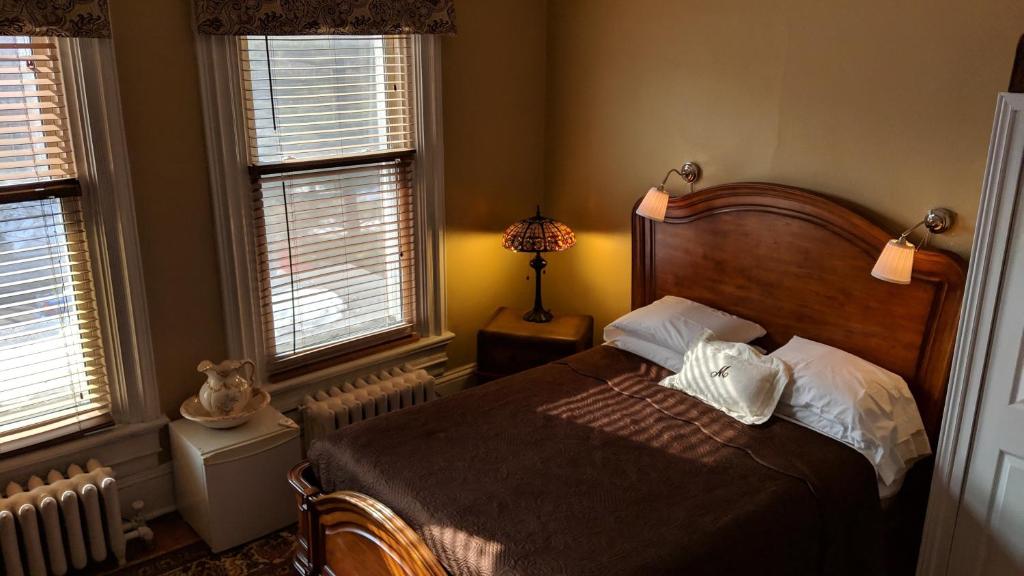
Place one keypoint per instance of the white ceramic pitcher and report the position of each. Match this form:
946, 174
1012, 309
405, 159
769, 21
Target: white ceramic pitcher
228, 386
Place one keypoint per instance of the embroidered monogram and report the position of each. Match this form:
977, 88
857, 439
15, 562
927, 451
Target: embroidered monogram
732, 377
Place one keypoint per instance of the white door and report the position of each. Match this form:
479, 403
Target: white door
988, 535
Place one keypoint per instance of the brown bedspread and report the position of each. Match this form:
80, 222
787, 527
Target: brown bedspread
587, 467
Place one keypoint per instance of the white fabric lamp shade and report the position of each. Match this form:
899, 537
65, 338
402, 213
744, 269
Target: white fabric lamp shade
654, 204
896, 262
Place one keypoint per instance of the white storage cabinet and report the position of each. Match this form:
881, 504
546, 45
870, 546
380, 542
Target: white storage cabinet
232, 485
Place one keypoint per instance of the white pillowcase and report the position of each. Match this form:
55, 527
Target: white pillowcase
663, 356
676, 324
857, 403
732, 377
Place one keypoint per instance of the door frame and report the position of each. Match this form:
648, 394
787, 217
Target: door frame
1003, 183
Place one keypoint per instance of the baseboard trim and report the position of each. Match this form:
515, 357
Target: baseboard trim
456, 379
154, 486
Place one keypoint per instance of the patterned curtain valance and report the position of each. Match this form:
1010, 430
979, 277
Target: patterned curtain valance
74, 18
305, 17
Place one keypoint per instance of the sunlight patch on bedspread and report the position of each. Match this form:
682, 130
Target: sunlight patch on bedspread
468, 553
669, 426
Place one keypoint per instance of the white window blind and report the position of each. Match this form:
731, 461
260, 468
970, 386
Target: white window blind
34, 142
331, 142
336, 256
323, 97
52, 378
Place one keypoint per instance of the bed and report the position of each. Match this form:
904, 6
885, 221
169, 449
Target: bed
587, 466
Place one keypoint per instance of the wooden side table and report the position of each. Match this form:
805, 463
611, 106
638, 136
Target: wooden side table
508, 344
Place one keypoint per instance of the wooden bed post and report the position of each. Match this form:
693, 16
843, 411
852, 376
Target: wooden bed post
305, 492
351, 534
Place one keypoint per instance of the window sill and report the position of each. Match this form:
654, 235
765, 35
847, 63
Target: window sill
296, 366
429, 353
125, 447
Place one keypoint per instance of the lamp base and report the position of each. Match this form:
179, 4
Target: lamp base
538, 315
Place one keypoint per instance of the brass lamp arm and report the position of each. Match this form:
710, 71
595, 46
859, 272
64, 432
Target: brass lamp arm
690, 172
908, 231
667, 174
937, 221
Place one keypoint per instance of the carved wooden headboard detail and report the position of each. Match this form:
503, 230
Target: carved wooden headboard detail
799, 264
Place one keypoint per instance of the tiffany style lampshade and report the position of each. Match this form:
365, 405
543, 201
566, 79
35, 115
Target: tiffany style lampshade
538, 234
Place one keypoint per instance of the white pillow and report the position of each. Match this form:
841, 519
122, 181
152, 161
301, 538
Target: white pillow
855, 402
663, 356
732, 377
677, 324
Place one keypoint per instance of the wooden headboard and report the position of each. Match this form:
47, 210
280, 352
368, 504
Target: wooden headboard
798, 263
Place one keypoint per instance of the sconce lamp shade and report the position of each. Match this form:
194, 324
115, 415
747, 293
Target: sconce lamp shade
654, 204
538, 234
896, 263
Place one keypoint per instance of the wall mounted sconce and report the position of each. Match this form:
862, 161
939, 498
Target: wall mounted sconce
896, 262
655, 203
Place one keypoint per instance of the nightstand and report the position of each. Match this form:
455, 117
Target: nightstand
508, 344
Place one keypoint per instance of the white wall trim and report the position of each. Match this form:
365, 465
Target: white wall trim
988, 254
230, 185
230, 188
456, 379
154, 486
101, 154
433, 306
133, 451
59, 455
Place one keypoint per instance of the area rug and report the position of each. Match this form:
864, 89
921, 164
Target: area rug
268, 556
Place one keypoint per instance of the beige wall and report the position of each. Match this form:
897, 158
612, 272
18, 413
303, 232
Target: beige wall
158, 75
494, 172
886, 104
494, 157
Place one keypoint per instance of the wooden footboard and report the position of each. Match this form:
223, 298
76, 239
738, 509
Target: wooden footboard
350, 534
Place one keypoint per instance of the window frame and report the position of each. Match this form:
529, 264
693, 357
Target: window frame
101, 152
231, 189
108, 210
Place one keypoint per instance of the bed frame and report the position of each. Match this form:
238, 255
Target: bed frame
791, 260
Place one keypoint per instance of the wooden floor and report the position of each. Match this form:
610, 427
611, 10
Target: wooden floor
176, 550
170, 533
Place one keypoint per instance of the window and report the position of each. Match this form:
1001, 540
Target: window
331, 144
52, 376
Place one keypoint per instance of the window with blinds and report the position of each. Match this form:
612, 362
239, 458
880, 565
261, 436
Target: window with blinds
52, 377
331, 144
